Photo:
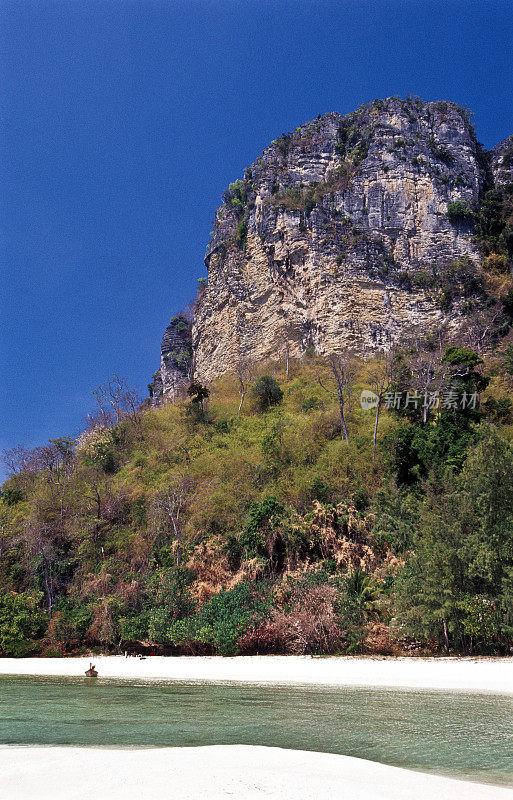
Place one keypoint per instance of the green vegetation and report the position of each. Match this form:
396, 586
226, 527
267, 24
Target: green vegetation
460, 212
283, 143
239, 198
353, 143
457, 587
441, 152
21, 621
458, 279
194, 528
266, 393
305, 199
495, 224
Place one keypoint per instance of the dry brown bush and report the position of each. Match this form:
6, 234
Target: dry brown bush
210, 567
59, 636
97, 585
270, 637
379, 640
311, 626
343, 535
102, 627
129, 592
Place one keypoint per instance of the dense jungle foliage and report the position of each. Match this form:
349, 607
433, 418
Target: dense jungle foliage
290, 521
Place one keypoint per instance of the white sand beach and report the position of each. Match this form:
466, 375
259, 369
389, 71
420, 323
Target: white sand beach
468, 674
240, 771
209, 773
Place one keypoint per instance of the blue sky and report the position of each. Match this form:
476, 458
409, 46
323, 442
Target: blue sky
123, 122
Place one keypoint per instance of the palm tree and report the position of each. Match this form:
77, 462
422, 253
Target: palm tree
363, 592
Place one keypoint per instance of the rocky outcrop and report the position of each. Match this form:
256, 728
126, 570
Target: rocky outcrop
502, 161
339, 235
172, 378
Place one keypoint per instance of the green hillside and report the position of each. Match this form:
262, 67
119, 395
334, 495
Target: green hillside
192, 528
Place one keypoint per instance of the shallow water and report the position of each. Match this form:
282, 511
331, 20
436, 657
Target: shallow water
458, 734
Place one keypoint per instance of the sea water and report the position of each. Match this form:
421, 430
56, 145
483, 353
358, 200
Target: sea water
464, 735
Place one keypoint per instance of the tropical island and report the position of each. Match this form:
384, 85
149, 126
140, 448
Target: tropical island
324, 465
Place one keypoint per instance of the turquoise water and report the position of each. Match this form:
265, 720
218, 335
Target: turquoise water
464, 735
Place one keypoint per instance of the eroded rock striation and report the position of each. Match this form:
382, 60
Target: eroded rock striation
345, 232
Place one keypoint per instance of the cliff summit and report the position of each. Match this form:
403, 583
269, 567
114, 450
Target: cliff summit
344, 233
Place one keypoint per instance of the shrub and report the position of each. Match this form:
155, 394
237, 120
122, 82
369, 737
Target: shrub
404, 280
310, 404
222, 619
262, 520
495, 220
236, 196
290, 198
458, 279
21, 621
309, 201
268, 637
508, 359
498, 410
172, 600
360, 152
11, 496
350, 142
507, 302
283, 143
423, 280
134, 627
443, 154
104, 456
69, 625
361, 499
266, 393
508, 239
198, 393
241, 233
319, 491
496, 262
310, 625
459, 212
273, 450
445, 299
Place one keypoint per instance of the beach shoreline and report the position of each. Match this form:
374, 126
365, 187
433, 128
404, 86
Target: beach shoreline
219, 771
450, 673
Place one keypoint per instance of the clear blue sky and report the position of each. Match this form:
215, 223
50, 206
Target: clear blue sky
123, 122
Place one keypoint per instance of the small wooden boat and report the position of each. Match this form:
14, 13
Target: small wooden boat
91, 672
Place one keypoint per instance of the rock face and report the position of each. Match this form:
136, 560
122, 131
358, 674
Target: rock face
342, 234
338, 236
175, 361
502, 161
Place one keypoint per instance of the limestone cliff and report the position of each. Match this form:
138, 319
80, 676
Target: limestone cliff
502, 161
345, 232
175, 360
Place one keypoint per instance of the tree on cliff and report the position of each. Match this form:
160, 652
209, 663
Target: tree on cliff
198, 394
245, 373
116, 402
337, 379
381, 374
